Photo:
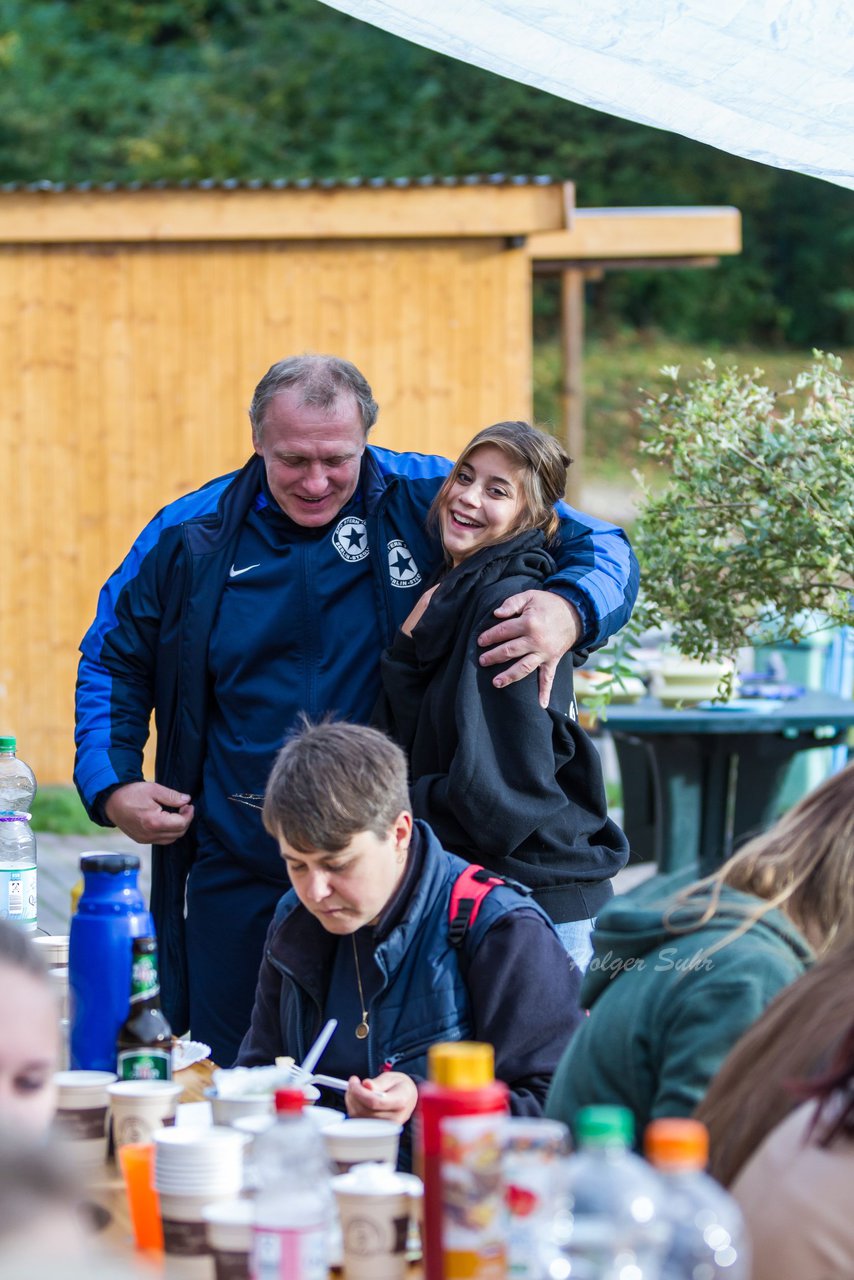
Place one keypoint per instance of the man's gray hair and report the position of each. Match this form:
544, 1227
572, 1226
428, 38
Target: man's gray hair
332, 781
322, 381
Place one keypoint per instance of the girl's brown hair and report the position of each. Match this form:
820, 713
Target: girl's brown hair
543, 464
795, 1039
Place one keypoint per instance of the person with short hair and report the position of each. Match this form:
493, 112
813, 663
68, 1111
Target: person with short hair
266, 593
364, 936
502, 780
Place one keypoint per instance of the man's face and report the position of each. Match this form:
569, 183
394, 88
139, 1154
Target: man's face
349, 888
312, 456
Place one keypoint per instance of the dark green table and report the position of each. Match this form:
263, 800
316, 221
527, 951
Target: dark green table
697, 783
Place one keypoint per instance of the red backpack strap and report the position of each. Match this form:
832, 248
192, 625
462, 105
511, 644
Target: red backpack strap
469, 891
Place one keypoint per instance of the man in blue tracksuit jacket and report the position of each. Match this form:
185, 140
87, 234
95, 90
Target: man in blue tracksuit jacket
267, 593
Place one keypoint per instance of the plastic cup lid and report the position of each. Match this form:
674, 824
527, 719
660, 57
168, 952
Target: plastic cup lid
236, 1213
377, 1178
151, 1089
94, 1080
202, 1140
364, 1128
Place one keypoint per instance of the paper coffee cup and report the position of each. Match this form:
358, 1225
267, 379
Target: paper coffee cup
185, 1233
229, 1231
140, 1107
357, 1141
81, 1115
376, 1206
53, 949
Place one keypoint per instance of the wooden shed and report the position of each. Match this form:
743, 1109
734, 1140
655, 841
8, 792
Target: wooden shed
135, 323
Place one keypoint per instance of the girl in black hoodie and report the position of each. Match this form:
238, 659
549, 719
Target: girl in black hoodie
503, 782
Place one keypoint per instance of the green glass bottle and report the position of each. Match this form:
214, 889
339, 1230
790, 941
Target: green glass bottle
144, 1043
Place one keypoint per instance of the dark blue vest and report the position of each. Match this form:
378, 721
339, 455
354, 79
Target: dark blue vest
423, 1000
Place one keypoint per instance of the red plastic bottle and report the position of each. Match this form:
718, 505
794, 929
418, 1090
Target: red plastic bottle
458, 1145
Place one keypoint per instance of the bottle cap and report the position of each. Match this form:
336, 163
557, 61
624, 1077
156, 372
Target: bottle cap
677, 1143
113, 863
145, 943
289, 1100
463, 1064
605, 1127
8, 744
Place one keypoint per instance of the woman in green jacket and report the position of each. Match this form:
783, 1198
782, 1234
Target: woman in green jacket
680, 970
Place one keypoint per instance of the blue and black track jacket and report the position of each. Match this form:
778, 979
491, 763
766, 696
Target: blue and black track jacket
148, 646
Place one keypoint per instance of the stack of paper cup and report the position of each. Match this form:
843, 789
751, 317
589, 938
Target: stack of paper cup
193, 1168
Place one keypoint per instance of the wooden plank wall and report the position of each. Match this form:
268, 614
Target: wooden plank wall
125, 372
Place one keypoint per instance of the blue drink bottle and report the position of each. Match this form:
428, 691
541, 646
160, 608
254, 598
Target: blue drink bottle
110, 914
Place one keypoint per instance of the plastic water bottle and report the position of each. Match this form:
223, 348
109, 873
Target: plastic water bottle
18, 900
610, 1222
17, 780
294, 1208
18, 871
709, 1237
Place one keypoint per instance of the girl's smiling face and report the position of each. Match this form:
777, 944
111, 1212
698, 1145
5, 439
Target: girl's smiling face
484, 503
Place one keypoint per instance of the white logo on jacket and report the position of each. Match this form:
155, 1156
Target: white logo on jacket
402, 569
350, 538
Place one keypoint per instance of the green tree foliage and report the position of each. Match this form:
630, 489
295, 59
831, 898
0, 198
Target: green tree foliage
141, 90
754, 526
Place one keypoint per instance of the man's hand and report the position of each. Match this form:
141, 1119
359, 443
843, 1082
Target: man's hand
390, 1096
142, 810
539, 628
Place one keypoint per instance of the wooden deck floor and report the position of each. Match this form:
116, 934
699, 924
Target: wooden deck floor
59, 869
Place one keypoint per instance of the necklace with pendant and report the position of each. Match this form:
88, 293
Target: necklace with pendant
363, 1030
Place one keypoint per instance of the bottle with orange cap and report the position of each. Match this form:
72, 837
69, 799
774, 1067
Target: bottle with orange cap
458, 1125
709, 1238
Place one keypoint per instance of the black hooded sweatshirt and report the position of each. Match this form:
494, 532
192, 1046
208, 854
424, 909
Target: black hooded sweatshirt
502, 781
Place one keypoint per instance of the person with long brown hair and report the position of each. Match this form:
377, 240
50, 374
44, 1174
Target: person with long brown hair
795, 1192
681, 970
795, 1039
503, 781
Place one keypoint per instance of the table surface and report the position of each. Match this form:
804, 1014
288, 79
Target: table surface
810, 711
117, 1235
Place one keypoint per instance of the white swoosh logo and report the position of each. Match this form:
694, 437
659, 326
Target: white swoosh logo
235, 573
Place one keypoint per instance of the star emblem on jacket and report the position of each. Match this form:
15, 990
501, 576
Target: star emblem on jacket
350, 538
402, 568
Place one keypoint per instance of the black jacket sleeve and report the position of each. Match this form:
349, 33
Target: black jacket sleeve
403, 684
500, 785
524, 991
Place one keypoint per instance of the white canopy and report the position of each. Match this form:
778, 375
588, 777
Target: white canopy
772, 80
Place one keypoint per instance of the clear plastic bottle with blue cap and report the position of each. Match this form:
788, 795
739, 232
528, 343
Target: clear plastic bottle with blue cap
18, 873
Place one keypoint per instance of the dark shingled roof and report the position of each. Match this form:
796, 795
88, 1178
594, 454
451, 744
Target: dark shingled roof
289, 184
